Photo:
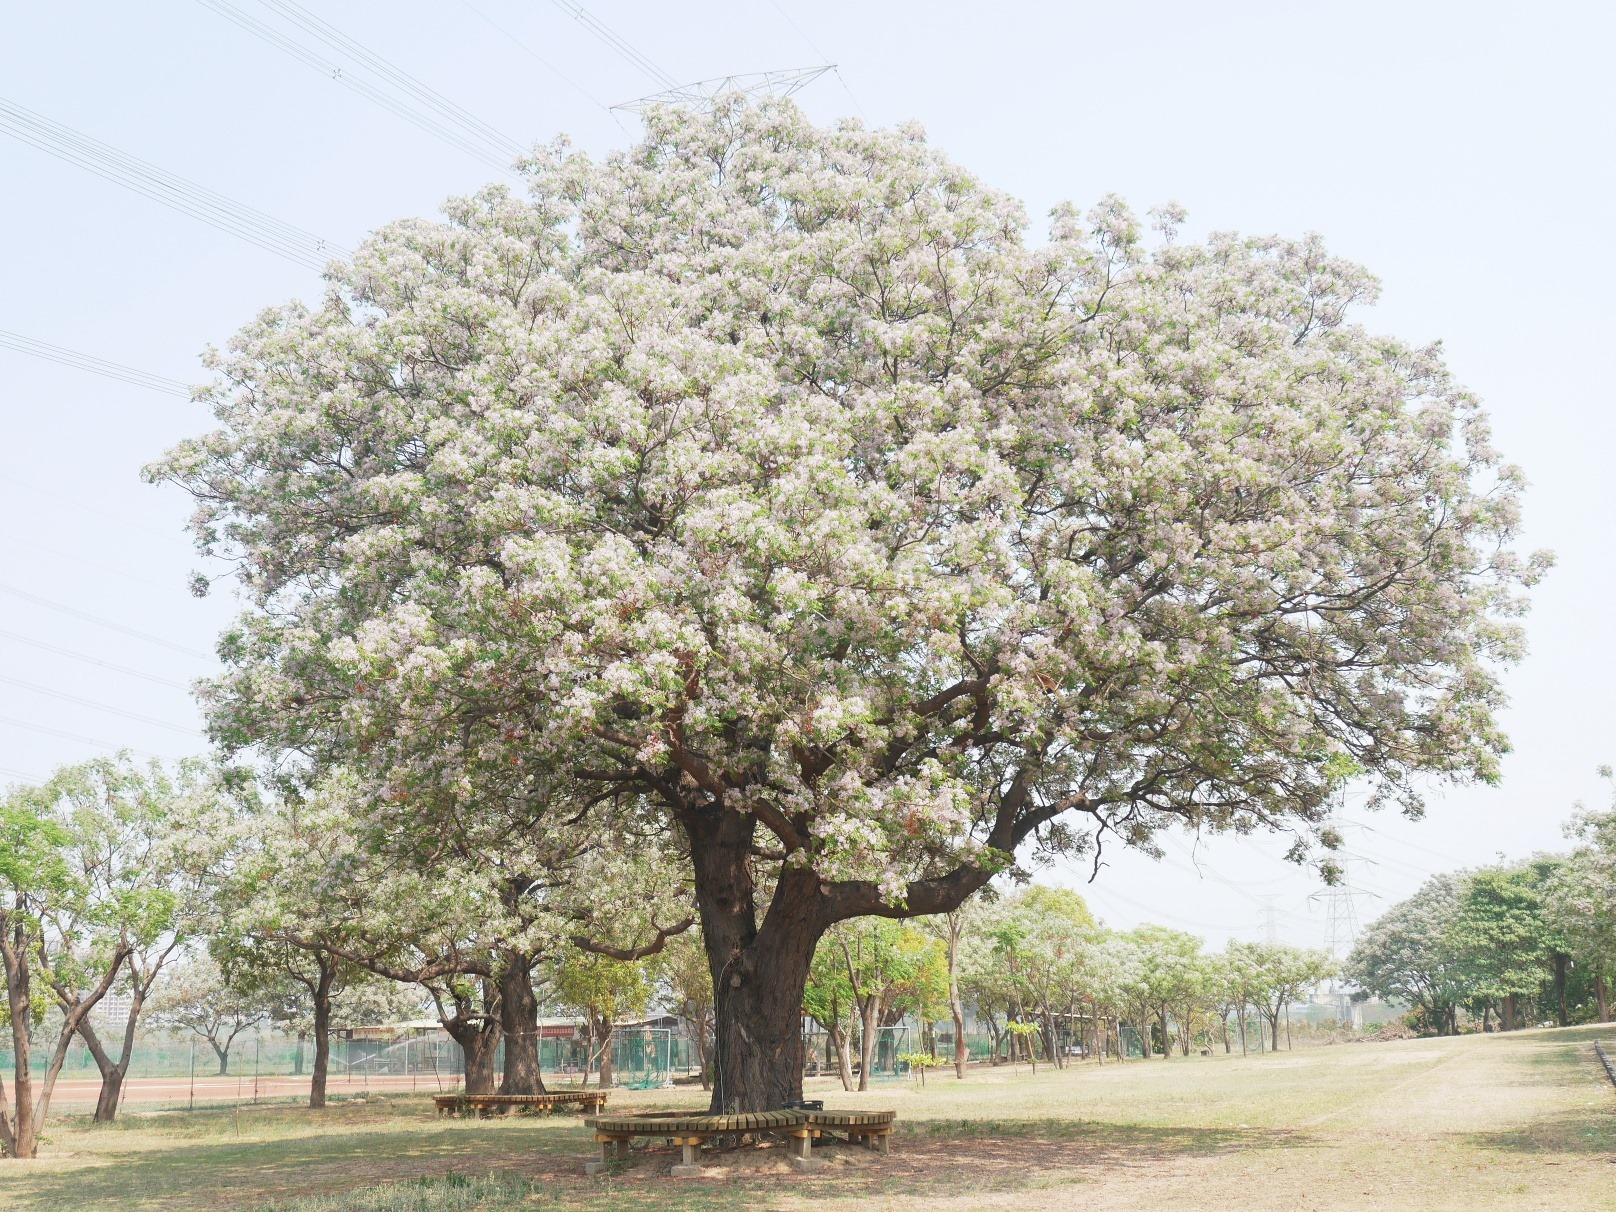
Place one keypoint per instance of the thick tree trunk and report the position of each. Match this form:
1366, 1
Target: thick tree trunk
18, 1131
759, 973
322, 1030
606, 1067
112, 1071
519, 1018
297, 1057
222, 1055
1508, 1012
479, 1041
1602, 995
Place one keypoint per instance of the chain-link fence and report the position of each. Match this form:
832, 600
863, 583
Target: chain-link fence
642, 1058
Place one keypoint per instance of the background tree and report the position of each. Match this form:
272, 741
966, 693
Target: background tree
829, 1000
688, 984
1579, 901
196, 998
1405, 954
602, 990
146, 888
950, 927
35, 876
1168, 976
864, 543
1280, 973
1499, 939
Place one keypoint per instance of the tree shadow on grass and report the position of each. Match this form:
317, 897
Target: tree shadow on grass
932, 1157
1589, 1131
243, 1173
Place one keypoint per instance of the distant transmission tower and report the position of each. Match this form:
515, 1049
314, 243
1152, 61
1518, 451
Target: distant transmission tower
1270, 920
1340, 918
703, 93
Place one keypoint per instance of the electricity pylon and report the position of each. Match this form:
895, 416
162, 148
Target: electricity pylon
703, 93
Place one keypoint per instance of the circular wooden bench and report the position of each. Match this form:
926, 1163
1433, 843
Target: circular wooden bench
614, 1133
531, 1104
872, 1129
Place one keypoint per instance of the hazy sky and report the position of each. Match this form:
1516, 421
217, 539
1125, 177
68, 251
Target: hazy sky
1461, 151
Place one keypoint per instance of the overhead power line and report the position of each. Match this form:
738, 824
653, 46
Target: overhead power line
110, 710
79, 656
99, 366
185, 196
74, 736
614, 40
420, 105
534, 55
99, 621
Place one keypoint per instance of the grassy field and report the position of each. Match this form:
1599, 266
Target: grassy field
1472, 1123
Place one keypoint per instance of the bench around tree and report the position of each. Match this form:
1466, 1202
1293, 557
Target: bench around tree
498, 1104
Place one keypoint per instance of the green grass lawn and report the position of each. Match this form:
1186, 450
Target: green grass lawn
1472, 1123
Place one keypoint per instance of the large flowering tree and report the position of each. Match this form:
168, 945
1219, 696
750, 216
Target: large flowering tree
765, 486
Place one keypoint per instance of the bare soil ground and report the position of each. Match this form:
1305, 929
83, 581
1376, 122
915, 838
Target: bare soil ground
1479, 1122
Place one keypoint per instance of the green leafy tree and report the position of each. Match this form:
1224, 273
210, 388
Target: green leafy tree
1168, 976
829, 1000
1500, 940
1579, 901
1278, 974
891, 969
602, 990
35, 877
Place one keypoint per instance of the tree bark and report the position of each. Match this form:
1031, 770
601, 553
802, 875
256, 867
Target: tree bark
698, 1033
843, 1043
478, 1038
1508, 1012
322, 1028
519, 1019
606, 1066
19, 1133
297, 1057
1602, 996
759, 974
112, 1071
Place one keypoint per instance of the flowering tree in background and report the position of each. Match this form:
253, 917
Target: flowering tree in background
1579, 901
765, 482
196, 998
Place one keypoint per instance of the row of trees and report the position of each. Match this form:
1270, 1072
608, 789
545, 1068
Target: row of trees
1035, 964
1515, 944
209, 904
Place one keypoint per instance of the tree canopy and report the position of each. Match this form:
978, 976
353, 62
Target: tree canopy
764, 485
